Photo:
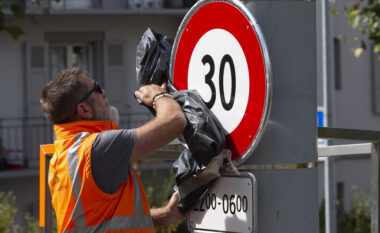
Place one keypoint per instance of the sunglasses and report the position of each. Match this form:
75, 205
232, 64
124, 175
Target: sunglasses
96, 88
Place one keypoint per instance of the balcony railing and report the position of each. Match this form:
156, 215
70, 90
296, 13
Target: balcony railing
20, 137
102, 6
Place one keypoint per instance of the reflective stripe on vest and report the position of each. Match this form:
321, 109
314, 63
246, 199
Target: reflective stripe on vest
137, 221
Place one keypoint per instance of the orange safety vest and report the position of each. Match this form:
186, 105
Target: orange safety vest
79, 204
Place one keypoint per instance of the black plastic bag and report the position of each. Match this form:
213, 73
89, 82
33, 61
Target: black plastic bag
204, 135
198, 165
152, 59
204, 140
193, 180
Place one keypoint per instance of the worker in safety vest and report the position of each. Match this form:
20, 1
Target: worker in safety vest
93, 186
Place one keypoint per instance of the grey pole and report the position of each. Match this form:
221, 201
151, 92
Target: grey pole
375, 184
326, 62
288, 192
330, 218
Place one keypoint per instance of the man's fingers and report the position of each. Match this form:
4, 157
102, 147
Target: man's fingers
137, 96
174, 198
146, 93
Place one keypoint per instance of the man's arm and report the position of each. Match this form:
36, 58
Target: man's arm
167, 214
168, 124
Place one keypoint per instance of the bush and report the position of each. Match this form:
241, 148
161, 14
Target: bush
357, 220
8, 212
158, 195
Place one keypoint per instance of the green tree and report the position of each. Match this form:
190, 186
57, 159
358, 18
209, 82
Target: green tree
158, 195
10, 14
7, 212
358, 219
364, 16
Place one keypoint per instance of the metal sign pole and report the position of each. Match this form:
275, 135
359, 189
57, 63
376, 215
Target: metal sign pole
285, 160
330, 218
375, 182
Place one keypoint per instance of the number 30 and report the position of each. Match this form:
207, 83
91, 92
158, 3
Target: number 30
208, 79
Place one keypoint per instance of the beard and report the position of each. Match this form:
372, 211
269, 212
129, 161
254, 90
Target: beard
109, 113
101, 114
113, 114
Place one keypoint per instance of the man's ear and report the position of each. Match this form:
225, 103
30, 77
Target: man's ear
85, 111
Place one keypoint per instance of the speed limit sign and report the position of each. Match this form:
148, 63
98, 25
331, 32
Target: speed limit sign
219, 50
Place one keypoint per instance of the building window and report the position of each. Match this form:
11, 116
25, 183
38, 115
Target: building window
376, 82
337, 64
76, 54
71, 4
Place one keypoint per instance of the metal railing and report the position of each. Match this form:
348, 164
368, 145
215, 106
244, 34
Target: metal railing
327, 154
24, 135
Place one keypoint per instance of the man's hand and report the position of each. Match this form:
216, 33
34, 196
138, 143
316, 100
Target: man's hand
172, 208
146, 93
167, 214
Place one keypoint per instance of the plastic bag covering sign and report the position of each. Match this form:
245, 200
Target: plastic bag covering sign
225, 59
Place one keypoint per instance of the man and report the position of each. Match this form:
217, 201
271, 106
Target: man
93, 187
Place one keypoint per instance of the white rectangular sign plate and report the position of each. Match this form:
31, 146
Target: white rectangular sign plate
229, 206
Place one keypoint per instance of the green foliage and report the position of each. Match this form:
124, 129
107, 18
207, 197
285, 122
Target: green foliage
364, 16
357, 220
32, 225
11, 13
159, 195
7, 211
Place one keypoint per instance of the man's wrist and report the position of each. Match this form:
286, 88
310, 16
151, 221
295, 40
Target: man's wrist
158, 96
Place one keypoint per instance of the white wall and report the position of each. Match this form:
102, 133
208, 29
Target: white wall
11, 77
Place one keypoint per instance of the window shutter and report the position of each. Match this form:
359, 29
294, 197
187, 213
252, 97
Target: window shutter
115, 74
32, 6
114, 4
37, 75
376, 86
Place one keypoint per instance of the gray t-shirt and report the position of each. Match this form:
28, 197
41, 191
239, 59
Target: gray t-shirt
110, 156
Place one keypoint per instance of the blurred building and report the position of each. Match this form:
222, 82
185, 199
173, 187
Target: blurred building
349, 99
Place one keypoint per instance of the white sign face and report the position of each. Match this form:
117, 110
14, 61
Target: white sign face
229, 206
218, 64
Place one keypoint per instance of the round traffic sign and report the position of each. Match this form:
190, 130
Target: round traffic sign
219, 50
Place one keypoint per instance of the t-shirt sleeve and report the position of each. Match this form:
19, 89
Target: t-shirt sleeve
110, 157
